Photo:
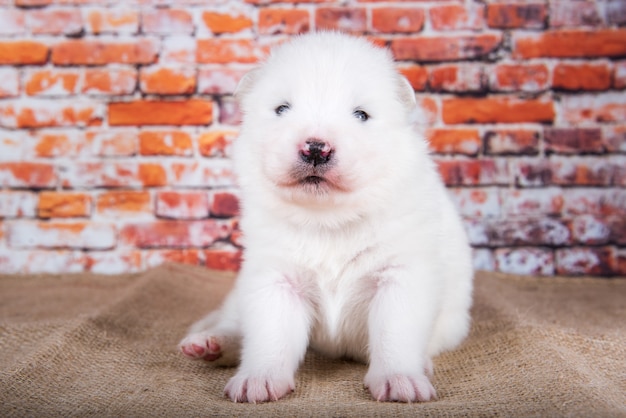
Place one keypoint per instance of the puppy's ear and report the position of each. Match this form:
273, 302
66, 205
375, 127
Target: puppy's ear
246, 83
406, 93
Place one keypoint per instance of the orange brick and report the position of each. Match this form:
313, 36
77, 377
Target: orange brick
23, 53
58, 144
497, 110
220, 80
182, 204
10, 84
152, 112
113, 143
456, 78
124, 203
79, 235
165, 143
175, 234
571, 43
444, 48
397, 20
101, 52
429, 108
63, 205
110, 81
178, 49
225, 22
43, 113
593, 77
514, 77
454, 141
27, 174
155, 258
51, 82
223, 259
224, 204
55, 21
216, 143
512, 141
207, 173
287, 21
113, 262
473, 172
416, 75
520, 15
27, 3
167, 21
167, 80
457, 17
112, 21
152, 175
225, 51
344, 19
604, 107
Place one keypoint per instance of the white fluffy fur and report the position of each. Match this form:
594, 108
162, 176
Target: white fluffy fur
371, 264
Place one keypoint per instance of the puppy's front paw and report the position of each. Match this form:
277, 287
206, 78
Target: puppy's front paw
201, 346
400, 387
243, 388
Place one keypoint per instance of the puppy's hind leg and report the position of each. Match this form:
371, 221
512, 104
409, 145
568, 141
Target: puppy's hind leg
216, 338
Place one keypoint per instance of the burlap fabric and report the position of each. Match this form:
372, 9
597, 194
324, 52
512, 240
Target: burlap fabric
89, 345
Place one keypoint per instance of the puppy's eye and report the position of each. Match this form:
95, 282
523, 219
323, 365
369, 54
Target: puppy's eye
282, 109
361, 115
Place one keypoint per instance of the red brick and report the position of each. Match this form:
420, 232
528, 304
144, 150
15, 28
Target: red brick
454, 141
219, 23
155, 258
606, 107
110, 81
511, 142
515, 16
397, 20
617, 228
12, 22
52, 82
175, 234
590, 230
113, 20
27, 174
113, 143
525, 261
429, 109
584, 171
520, 77
167, 21
165, 143
23, 53
27, 3
571, 43
225, 51
344, 19
615, 138
416, 75
166, 80
101, 52
216, 143
223, 259
79, 235
286, 21
585, 261
55, 21
153, 112
582, 77
182, 204
63, 205
477, 202
113, 262
535, 231
573, 140
473, 172
603, 202
206, 173
224, 204
619, 75
444, 48
220, 80
532, 202
615, 12
497, 110
457, 17
17, 204
456, 78
567, 13
124, 203
9, 82
44, 113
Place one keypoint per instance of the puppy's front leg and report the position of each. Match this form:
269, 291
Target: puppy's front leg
400, 322
275, 323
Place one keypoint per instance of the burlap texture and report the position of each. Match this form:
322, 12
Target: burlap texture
89, 345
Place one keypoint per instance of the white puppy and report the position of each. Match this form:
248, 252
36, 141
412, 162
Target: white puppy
352, 245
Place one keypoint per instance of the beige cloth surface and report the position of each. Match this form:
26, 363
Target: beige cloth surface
89, 345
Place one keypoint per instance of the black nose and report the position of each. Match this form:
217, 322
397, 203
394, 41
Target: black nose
315, 152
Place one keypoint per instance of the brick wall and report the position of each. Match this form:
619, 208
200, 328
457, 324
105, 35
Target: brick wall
116, 119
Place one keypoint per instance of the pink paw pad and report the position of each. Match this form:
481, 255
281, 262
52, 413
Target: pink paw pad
201, 348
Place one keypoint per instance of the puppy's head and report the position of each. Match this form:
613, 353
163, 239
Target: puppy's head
327, 124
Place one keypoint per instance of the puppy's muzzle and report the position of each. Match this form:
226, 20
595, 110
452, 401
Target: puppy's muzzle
315, 152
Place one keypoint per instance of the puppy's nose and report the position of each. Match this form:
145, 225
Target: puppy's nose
315, 152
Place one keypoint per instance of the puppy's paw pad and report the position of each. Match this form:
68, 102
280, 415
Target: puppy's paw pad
199, 346
400, 388
258, 389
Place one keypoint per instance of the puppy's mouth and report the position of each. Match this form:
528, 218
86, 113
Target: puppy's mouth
312, 180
